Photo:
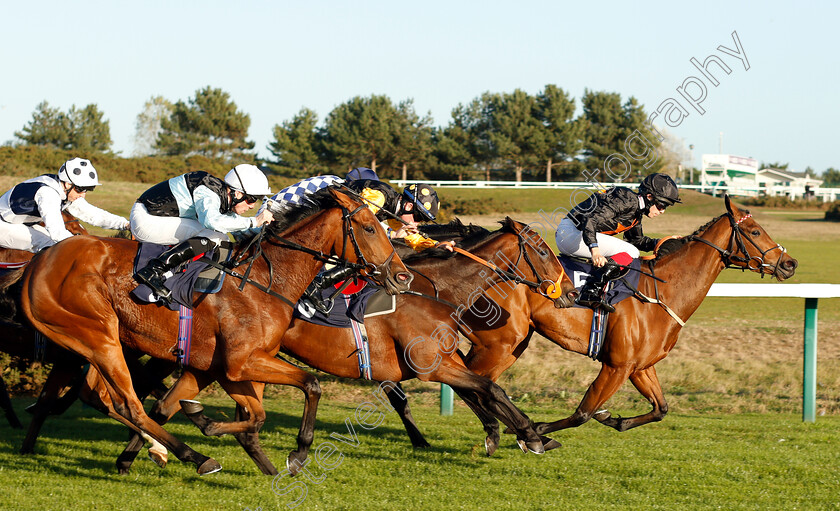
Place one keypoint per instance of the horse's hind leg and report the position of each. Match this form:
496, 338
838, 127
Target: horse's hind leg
487, 396
647, 383
608, 381
185, 387
400, 403
61, 376
6, 405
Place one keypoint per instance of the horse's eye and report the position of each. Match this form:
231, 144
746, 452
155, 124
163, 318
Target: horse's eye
756, 233
369, 229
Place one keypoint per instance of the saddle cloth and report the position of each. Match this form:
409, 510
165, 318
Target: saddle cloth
198, 276
619, 290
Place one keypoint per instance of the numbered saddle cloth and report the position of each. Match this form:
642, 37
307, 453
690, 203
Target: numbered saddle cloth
620, 289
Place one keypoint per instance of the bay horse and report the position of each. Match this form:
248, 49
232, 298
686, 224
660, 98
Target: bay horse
18, 340
77, 294
638, 334
418, 340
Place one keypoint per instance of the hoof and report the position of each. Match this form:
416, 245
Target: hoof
161, 459
490, 446
601, 415
191, 407
208, 467
550, 443
533, 446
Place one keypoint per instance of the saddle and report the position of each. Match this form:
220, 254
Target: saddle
366, 302
197, 276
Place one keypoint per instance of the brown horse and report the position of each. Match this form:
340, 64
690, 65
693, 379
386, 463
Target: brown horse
18, 340
419, 340
638, 334
77, 294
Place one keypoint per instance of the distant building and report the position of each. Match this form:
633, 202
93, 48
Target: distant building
737, 175
720, 170
784, 183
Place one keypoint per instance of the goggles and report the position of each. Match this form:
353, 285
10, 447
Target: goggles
83, 189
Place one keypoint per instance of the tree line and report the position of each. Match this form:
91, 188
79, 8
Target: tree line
497, 135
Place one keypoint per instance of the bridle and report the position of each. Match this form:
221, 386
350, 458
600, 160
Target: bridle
363, 267
737, 245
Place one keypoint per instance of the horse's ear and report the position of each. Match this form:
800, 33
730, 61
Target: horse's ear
728, 203
342, 198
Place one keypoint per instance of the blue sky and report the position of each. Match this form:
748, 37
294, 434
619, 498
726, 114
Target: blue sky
277, 57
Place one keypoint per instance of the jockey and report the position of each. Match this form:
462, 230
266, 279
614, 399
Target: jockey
589, 228
194, 211
417, 203
42, 199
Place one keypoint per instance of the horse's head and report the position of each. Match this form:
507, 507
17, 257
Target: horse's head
752, 248
538, 260
371, 246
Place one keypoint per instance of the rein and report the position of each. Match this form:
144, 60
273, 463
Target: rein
553, 290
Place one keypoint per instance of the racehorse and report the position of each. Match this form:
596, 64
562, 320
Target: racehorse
638, 334
395, 352
18, 340
77, 294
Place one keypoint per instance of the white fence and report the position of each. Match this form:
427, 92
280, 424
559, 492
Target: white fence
824, 194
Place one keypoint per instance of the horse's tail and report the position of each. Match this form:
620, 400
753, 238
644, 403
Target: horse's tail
10, 288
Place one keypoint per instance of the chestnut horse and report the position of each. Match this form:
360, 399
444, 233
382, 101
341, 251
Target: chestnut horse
19, 340
77, 294
419, 340
639, 334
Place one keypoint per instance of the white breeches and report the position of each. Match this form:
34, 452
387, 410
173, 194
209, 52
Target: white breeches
168, 230
32, 238
570, 241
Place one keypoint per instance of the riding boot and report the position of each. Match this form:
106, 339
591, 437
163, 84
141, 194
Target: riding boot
593, 293
314, 293
155, 273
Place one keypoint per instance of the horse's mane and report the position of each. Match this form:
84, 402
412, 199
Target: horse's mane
286, 214
454, 229
668, 247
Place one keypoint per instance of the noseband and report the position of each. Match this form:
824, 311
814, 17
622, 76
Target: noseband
737, 245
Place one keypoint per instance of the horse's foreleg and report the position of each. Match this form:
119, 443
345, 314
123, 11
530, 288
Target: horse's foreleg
608, 381
261, 367
400, 403
251, 441
6, 405
488, 420
647, 383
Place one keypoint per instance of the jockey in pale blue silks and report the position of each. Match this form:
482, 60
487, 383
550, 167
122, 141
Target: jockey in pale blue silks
195, 211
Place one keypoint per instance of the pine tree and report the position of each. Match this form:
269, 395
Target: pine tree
209, 125
297, 144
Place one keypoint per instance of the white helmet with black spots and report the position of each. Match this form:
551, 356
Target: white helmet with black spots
248, 179
79, 172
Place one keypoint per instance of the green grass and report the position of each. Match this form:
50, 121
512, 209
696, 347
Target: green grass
685, 462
